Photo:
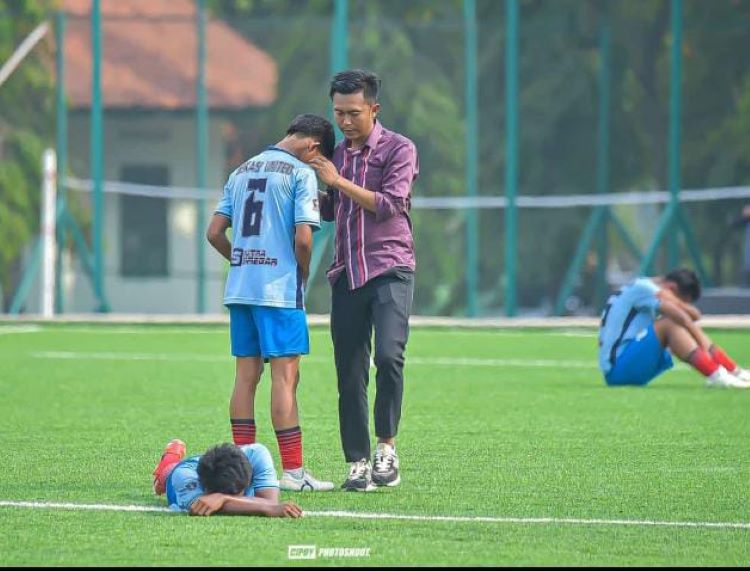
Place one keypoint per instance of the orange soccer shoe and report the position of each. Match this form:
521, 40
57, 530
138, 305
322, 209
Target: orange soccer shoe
173, 453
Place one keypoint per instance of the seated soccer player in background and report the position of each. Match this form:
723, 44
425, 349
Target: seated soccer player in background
227, 479
650, 319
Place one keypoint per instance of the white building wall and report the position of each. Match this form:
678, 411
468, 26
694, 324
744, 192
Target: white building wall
163, 139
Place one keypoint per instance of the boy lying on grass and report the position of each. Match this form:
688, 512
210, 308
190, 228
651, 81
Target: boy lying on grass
227, 479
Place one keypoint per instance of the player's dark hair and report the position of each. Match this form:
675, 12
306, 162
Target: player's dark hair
224, 469
687, 282
316, 127
354, 80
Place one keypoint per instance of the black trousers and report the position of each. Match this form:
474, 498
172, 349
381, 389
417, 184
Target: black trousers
382, 304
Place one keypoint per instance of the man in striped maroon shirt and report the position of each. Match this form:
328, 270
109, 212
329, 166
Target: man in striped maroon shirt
372, 275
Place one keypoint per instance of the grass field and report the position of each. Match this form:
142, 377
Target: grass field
512, 426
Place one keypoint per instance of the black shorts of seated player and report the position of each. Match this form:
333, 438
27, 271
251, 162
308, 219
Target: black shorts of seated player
224, 469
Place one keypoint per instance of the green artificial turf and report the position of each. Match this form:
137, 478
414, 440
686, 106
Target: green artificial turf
497, 424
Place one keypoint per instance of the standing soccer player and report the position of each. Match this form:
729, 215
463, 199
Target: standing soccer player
647, 321
271, 203
372, 275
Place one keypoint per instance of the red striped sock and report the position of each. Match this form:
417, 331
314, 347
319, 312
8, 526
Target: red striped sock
243, 431
722, 358
701, 360
290, 447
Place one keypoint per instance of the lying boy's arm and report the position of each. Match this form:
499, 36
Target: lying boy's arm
242, 505
258, 506
268, 494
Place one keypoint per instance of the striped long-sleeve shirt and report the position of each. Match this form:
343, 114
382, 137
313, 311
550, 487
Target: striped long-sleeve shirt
367, 243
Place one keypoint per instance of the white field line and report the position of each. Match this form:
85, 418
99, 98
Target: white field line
486, 362
158, 330
532, 520
188, 330
444, 361
416, 321
108, 356
89, 507
428, 361
572, 333
13, 329
402, 517
441, 361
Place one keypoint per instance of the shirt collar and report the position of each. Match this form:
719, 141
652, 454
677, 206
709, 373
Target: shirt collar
372, 138
275, 148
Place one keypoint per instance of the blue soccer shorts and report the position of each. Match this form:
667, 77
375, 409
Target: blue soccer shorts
641, 361
268, 332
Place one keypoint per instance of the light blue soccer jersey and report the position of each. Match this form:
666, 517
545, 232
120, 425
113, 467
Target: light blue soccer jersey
183, 485
265, 198
628, 313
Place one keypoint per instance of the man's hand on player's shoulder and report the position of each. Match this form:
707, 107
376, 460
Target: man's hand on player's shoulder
326, 170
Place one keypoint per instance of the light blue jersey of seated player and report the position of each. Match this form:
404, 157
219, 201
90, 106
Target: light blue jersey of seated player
265, 198
627, 314
183, 485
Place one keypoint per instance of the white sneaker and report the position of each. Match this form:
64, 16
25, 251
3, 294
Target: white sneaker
742, 374
724, 379
385, 466
739, 382
302, 481
359, 478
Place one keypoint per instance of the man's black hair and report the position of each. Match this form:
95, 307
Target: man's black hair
318, 128
687, 282
224, 469
354, 80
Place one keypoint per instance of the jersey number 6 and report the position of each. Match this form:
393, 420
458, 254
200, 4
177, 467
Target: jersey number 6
253, 209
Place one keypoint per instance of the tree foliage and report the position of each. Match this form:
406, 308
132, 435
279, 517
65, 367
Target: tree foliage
417, 47
26, 128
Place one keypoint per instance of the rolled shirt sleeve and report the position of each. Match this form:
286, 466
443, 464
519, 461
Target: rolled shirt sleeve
400, 171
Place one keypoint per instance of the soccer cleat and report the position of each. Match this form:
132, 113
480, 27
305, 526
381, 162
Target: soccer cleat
302, 481
724, 379
173, 453
359, 478
385, 466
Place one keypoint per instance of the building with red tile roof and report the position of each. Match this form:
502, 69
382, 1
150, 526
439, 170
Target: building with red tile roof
149, 58
148, 76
